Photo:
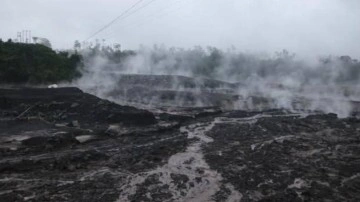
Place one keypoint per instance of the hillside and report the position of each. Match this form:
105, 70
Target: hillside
35, 64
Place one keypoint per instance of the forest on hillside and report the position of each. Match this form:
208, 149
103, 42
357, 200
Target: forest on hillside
36, 64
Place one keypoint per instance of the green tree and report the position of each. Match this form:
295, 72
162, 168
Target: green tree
77, 45
36, 63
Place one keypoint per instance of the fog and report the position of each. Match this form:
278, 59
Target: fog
247, 39
306, 27
258, 81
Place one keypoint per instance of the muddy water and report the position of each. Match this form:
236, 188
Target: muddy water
202, 182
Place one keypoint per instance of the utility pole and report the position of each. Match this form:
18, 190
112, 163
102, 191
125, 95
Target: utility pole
27, 36
18, 37
23, 36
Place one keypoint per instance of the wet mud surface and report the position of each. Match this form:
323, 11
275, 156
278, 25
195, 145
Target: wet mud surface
66, 145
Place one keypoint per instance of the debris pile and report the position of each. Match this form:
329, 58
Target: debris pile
62, 144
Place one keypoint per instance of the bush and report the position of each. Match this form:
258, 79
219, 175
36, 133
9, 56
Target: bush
36, 64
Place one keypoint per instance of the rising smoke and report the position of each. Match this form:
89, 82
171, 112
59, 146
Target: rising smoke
245, 80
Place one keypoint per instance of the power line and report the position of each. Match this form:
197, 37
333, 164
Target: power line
113, 21
135, 11
148, 18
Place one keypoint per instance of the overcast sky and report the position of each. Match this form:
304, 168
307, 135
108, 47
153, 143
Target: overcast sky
306, 27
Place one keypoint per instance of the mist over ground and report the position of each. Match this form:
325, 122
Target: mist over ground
290, 52
328, 84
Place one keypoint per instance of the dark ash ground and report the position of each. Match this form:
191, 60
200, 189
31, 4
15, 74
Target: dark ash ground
66, 145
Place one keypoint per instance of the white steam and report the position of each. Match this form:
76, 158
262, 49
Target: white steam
246, 81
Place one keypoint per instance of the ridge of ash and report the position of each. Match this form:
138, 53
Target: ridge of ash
67, 104
65, 145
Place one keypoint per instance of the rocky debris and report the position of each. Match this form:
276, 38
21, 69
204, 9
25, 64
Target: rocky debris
173, 97
287, 158
55, 138
172, 81
62, 105
159, 91
65, 145
168, 90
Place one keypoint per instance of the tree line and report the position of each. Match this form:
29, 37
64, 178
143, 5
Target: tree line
36, 64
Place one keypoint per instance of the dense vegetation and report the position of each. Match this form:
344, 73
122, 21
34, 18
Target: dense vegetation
36, 64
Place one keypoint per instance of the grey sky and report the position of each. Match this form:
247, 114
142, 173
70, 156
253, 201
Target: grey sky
307, 27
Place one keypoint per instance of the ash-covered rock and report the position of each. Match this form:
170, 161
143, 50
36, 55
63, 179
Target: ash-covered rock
66, 105
158, 91
168, 90
66, 145
287, 158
